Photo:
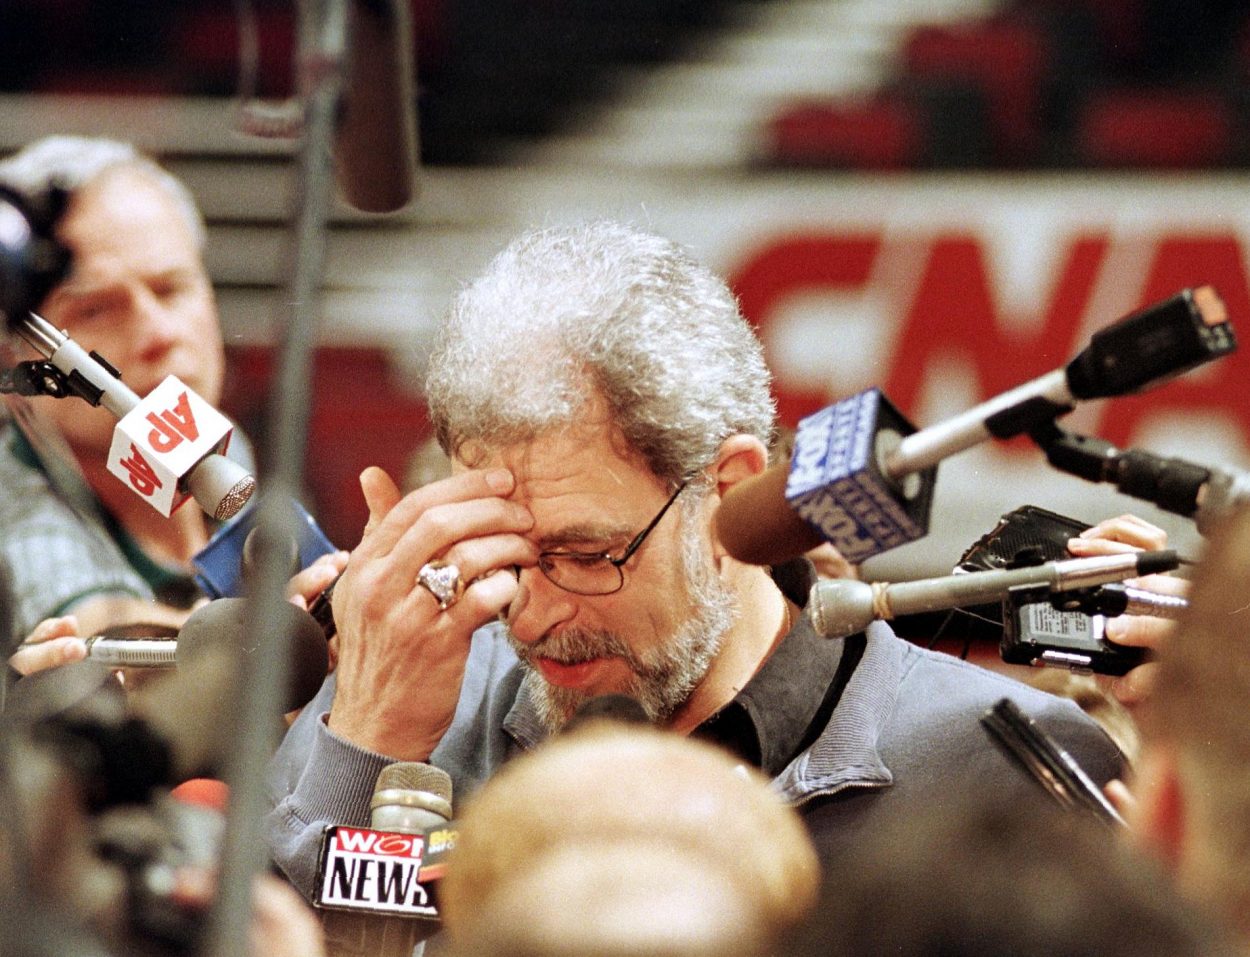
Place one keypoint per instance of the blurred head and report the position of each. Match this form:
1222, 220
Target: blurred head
671, 846
138, 292
970, 875
1192, 782
1091, 697
605, 367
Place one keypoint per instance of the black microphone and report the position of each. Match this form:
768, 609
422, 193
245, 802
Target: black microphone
376, 140
223, 624
840, 607
607, 707
1204, 493
32, 260
862, 477
372, 888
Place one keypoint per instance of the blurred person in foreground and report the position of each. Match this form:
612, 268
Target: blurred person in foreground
599, 392
619, 839
1190, 795
84, 551
1020, 877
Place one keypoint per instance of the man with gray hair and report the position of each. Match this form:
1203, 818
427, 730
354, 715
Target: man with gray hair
76, 540
599, 393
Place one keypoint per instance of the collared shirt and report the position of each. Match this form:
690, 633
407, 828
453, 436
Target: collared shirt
787, 703
906, 721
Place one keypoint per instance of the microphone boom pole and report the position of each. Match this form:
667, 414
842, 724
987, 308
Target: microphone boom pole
322, 48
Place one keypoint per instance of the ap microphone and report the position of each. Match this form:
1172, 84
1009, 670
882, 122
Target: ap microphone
840, 607
223, 624
372, 886
167, 446
862, 477
375, 145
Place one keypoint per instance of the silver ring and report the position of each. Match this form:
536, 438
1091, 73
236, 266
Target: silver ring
442, 580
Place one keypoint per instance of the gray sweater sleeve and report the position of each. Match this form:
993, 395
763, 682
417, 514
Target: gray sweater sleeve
317, 779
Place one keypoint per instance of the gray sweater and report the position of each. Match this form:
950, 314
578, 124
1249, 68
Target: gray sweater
906, 725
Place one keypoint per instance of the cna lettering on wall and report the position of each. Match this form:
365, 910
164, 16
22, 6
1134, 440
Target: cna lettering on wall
952, 308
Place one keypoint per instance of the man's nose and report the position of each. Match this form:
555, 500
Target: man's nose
155, 325
538, 607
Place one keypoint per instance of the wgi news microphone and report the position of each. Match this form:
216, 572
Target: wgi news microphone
168, 446
862, 477
374, 883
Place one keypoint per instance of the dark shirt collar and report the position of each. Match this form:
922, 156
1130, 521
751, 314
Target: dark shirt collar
787, 703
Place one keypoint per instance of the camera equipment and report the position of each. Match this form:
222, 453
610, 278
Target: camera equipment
1041, 627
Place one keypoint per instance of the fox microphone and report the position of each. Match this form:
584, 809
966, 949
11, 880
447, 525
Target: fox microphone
862, 477
167, 446
372, 888
840, 607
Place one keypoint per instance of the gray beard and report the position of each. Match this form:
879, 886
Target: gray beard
663, 677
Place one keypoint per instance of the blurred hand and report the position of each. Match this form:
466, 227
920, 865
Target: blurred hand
54, 642
306, 585
1128, 533
282, 925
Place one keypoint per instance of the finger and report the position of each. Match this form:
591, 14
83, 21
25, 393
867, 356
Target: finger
1135, 687
1087, 547
381, 495
50, 628
479, 557
1161, 584
485, 598
51, 653
443, 526
316, 578
1121, 797
1139, 631
1131, 530
465, 487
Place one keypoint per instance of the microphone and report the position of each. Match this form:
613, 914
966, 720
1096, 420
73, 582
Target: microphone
862, 477
370, 885
167, 446
1114, 600
222, 624
376, 138
1205, 494
32, 260
620, 708
840, 607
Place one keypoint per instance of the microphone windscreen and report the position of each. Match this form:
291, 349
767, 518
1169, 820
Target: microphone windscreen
756, 524
376, 142
204, 792
608, 707
224, 622
414, 776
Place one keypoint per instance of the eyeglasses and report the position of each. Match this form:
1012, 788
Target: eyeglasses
596, 573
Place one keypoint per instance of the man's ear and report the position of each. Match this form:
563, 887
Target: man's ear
740, 457
1159, 816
